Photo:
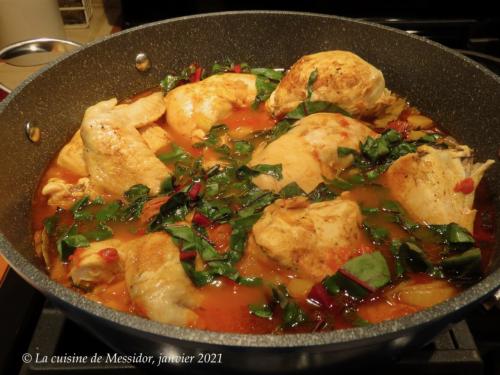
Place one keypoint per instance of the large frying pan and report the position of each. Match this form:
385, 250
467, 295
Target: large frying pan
458, 93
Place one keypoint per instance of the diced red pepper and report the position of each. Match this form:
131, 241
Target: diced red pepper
109, 254
465, 186
237, 68
187, 255
201, 220
196, 76
402, 127
194, 191
320, 295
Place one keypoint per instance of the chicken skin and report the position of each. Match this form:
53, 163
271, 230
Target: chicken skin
425, 184
89, 267
157, 282
116, 155
343, 78
313, 239
309, 151
194, 108
71, 156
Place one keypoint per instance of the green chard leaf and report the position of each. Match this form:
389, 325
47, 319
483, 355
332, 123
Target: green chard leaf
176, 154
321, 193
50, 223
191, 241
173, 210
398, 266
69, 241
359, 276
413, 258
136, 196
377, 234
310, 83
108, 212
463, 267
291, 190
100, 233
78, 209
261, 310
293, 315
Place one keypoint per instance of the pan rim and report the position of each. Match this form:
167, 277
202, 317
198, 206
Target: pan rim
142, 326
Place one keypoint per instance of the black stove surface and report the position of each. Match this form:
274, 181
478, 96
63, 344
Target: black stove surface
33, 330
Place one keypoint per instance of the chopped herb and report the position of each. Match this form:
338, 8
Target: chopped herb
136, 196
167, 185
271, 74
341, 184
293, 315
413, 258
370, 268
291, 190
345, 151
321, 193
377, 234
243, 147
78, 211
310, 82
398, 266
176, 154
100, 233
261, 310
191, 241
108, 212
173, 210
69, 241
463, 267
215, 210
266, 82
50, 223
245, 172
237, 242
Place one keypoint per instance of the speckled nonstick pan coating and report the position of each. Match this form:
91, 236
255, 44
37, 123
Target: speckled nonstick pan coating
458, 93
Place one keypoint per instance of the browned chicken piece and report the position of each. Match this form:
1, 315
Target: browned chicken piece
71, 156
157, 282
308, 152
313, 239
192, 109
63, 194
89, 266
116, 155
343, 78
155, 137
424, 183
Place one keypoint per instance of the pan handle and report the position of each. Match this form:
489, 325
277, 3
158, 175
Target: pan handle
38, 45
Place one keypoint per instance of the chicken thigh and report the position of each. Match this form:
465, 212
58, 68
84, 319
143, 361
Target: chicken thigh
116, 155
343, 78
309, 151
424, 183
314, 239
192, 109
157, 282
